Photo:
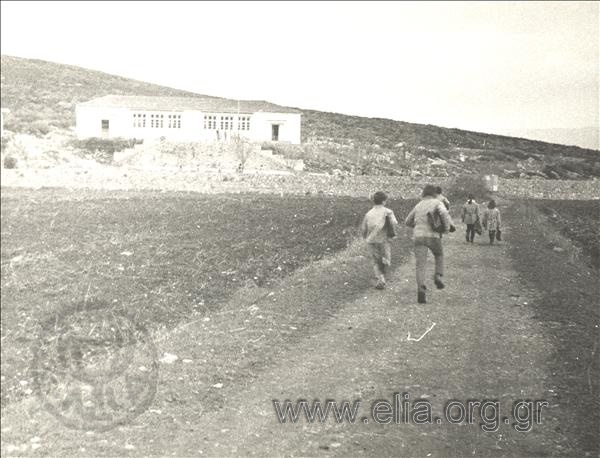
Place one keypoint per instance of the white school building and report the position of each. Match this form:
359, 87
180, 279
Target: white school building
186, 119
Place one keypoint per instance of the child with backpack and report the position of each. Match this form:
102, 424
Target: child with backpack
429, 220
377, 229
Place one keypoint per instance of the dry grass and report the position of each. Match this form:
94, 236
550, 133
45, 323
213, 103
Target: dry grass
162, 256
567, 307
578, 222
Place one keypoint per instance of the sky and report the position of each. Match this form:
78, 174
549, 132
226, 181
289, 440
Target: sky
503, 67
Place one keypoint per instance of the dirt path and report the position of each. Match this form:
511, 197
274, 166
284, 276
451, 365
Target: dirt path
484, 345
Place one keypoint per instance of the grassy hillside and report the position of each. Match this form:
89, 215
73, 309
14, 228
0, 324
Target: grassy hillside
388, 133
42, 95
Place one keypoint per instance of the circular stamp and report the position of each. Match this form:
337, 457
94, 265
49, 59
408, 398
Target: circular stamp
94, 367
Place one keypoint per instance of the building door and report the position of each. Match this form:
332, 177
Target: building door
275, 132
105, 128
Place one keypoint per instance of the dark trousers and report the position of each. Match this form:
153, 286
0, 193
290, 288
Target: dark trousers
422, 247
470, 235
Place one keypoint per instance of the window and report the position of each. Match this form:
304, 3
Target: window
243, 122
226, 122
139, 120
210, 122
174, 121
156, 121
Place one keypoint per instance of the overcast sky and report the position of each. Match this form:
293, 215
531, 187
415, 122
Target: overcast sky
491, 67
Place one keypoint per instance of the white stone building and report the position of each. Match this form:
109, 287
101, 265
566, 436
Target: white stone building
186, 119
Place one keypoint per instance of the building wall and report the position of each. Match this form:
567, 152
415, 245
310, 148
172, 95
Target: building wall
121, 123
289, 126
89, 119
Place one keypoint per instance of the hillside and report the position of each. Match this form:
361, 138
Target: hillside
42, 96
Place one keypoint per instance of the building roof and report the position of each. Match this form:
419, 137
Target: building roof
204, 104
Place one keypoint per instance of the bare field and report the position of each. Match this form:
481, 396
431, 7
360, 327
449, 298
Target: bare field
162, 256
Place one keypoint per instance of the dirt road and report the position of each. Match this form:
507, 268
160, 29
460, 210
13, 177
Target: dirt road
484, 346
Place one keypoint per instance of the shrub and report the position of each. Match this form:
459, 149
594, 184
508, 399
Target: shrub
106, 145
565, 167
38, 128
516, 154
10, 162
103, 149
4, 143
463, 185
551, 171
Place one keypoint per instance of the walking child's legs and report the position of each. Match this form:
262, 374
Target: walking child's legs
422, 246
470, 235
386, 257
381, 260
420, 261
492, 237
435, 245
378, 273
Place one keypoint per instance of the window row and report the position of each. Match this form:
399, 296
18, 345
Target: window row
173, 121
156, 121
226, 122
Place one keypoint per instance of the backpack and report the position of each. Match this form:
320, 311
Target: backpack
435, 221
389, 227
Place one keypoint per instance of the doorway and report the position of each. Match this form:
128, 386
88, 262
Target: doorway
275, 132
105, 128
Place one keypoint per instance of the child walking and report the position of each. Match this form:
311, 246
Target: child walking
469, 216
491, 220
377, 229
427, 239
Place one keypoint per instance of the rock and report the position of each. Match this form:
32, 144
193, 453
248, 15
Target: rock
168, 358
572, 175
558, 249
552, 174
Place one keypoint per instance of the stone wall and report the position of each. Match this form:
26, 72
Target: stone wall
171, 179
549, 189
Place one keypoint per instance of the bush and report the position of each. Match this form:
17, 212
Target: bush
4, 143
565, 167
517, 154
38, 128
105, 145
10, 162
551, 171
462, 185
103, 149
